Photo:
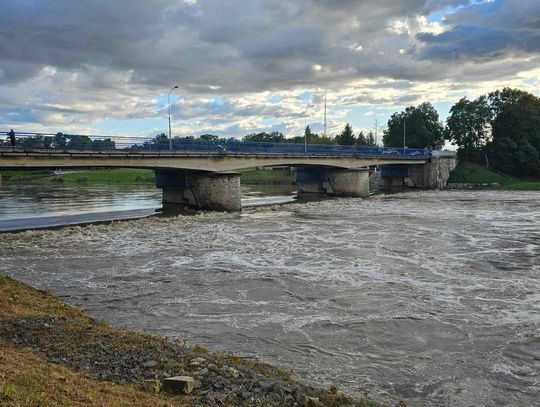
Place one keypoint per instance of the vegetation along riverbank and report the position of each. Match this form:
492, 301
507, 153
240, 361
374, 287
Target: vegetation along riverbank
52, 354
129, 176
474, 176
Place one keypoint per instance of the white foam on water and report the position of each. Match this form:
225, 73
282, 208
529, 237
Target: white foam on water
414, 295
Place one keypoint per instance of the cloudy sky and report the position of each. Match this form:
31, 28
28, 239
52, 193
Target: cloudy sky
242, 66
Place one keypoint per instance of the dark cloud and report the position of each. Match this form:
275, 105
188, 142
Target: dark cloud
492, 30
105, 59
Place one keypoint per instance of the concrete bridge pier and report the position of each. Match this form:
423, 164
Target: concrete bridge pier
337, 182
353, 183
210, 191
431, 175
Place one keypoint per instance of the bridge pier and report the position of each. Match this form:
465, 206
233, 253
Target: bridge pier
353, 183
431, 175
210, 191
337, 182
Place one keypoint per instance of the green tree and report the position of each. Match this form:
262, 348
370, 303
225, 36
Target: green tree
105, 144
79, 142
322, 139
468, 126
346, 137
370, 140
422, 128
361, 139
515, 148
308, 135
59, 140
274, 137
161, 139
208, 137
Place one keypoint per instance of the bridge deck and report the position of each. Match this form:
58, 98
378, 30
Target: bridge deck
211, 161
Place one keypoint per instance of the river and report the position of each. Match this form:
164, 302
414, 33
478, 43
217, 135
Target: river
432, 297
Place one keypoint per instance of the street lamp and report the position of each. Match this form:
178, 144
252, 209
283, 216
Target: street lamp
169, 103
404, 145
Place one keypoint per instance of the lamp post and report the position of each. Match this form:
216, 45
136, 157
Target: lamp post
169, 103
404, 145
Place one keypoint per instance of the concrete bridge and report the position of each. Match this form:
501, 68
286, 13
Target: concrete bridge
206, 179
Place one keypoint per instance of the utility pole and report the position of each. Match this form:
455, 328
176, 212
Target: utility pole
376, 131
305, 126
169, 103
325, 93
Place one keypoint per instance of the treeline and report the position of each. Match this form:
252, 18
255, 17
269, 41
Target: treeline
61, 140
500, 129
346, 137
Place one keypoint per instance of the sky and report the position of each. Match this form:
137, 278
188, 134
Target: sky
245, 66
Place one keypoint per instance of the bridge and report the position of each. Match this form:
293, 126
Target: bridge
201, 173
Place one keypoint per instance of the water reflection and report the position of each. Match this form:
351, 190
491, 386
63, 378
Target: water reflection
26, 200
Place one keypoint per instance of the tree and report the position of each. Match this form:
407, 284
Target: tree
209, 137
59, 140
422, 128
274, 137
161, 139
370, 140
515, 148
361, 139
322, 139
468, 126
308, 135
79, 142
346, 137
105, 144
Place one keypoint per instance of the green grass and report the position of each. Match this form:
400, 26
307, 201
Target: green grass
469, 173
125, 176
254, 176
524, 185
23, 176
131, 176
476, 174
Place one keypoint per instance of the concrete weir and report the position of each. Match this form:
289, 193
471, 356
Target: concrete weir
210, 191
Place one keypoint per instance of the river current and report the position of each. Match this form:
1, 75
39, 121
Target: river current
431, 297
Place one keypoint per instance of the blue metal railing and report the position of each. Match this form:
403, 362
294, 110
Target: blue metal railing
223, 146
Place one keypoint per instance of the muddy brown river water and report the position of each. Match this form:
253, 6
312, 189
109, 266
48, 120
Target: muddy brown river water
431, 297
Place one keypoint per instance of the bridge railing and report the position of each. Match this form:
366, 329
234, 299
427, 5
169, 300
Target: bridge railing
62, 141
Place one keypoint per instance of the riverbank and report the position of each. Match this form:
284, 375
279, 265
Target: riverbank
473, 176
53, 354
131, 176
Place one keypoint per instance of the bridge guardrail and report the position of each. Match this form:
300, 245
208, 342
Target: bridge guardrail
124, 143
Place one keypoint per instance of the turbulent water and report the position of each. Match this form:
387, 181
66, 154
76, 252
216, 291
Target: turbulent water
431, 297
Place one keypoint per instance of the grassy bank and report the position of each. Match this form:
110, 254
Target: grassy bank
29, 378
254, 176
469, 173
124, 176
128, 176
52, 354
